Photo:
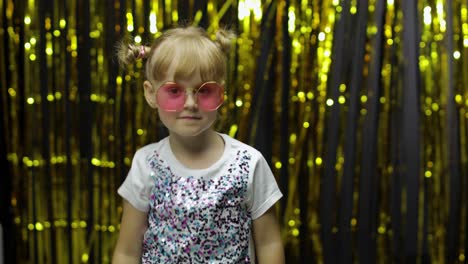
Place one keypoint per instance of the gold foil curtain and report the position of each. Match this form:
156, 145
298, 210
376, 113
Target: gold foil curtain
361, 107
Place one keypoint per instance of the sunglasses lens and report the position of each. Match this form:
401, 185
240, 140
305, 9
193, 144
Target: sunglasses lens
171, 97
210, 96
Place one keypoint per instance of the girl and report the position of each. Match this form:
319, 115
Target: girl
196, 196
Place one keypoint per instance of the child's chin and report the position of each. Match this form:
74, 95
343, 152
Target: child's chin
193, 133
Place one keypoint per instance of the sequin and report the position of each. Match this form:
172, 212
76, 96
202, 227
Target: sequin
198, 220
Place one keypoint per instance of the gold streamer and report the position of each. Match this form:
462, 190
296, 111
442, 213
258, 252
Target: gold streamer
310, 26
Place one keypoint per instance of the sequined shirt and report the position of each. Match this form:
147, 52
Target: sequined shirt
200, 216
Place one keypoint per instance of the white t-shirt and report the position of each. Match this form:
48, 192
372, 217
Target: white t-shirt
200, 216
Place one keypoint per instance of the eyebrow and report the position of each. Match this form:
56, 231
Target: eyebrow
185, 86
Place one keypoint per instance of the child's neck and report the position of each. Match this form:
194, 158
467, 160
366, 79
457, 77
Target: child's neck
197, 152
194, 144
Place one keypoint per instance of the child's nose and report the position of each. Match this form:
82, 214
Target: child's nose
190, 101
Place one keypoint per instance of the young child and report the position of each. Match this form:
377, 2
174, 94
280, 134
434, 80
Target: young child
196, 196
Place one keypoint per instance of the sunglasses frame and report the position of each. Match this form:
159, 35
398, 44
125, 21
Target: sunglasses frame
222, 94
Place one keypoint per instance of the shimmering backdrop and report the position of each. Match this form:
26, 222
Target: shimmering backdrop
361, 107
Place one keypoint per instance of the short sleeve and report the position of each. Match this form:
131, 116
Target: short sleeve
136, 188
264, 191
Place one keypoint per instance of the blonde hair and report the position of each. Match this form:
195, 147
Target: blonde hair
189, 49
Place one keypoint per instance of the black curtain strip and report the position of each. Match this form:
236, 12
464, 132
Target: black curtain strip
260, 92
34, 214
305, 241
328, 181
453, 149
232, 23
346, 205
465, 179
146, 11
45, 11
426, 256
5, 186
6, 213
164, 17
265, 120
122, 130
284, 127
86, 108
6, 210
23, 126
122, 109
395, 142
132, 112
133, 100
466, 199
111, 40
411, 120
68, 137
265, 124
369, 179
202, 6
233, 65
183, 10
396, 175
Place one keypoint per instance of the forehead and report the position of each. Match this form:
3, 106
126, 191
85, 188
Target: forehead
183, 75
184, 59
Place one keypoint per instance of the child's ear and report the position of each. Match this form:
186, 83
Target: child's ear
150, 94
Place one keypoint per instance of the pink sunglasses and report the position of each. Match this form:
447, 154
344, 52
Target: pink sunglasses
171, 96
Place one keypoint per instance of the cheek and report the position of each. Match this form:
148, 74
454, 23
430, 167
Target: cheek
212, 115
166, 117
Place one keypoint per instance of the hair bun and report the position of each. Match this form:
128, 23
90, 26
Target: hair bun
129, 53
224, 38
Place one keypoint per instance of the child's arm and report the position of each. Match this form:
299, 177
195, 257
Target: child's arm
267, 237
132, 229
